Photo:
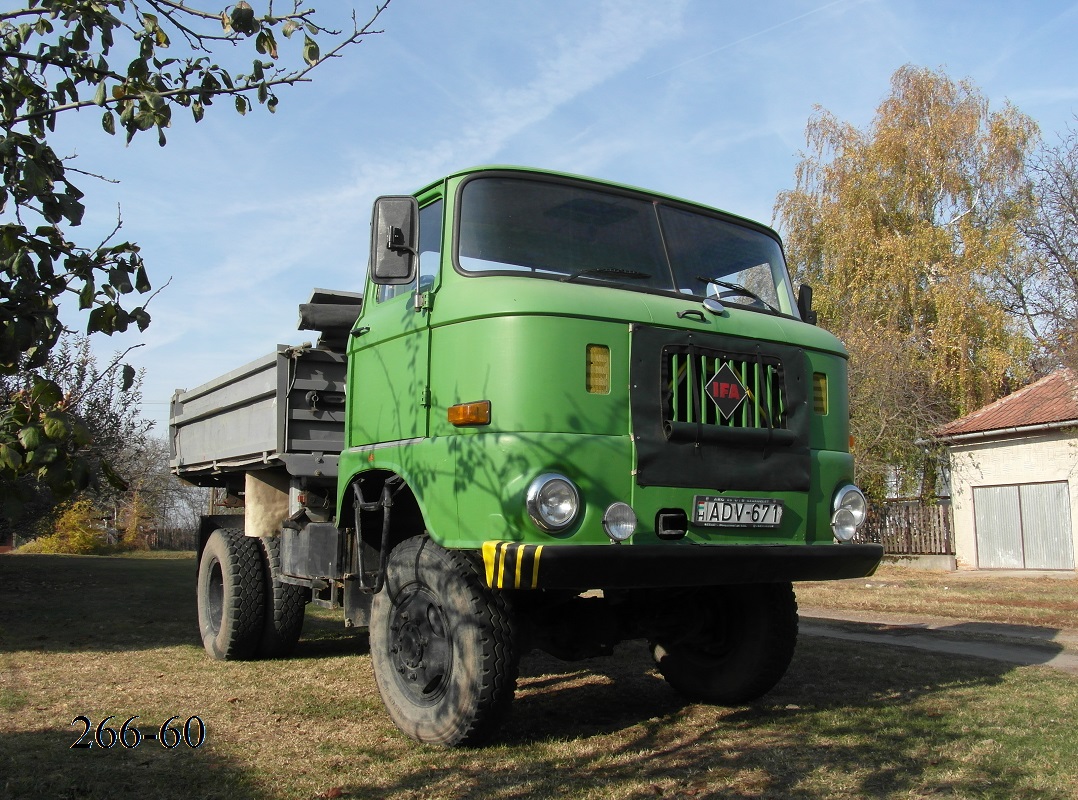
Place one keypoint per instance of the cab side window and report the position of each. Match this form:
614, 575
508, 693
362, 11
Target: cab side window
430, 243
430, 252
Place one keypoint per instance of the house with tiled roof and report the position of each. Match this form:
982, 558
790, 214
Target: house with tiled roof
1014, 478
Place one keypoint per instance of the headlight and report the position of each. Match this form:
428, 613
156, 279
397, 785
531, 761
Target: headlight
553, 502
850, 510
619, 521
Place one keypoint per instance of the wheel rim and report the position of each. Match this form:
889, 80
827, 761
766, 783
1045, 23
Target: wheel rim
420, 646
718, 641
215, 598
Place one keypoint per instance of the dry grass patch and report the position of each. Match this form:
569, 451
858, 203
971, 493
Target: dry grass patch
985, 597
117, 636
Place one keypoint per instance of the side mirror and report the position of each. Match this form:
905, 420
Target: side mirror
394, 240
804, 304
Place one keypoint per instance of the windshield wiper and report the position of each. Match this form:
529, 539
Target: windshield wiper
613, 271
738, 289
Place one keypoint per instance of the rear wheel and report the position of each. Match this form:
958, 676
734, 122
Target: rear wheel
230, 595
285, 605
741, 648
442, 646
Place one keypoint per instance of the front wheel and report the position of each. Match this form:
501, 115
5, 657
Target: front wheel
442, 646
740, 648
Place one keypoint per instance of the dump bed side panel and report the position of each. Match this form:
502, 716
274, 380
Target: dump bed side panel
284, 409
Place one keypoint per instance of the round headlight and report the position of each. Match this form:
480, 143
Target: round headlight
850, 511
619, 521
553, 502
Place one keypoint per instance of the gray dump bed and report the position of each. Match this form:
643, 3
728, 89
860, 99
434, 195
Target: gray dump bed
284, 409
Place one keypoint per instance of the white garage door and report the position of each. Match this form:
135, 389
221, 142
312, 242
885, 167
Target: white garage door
1024, 527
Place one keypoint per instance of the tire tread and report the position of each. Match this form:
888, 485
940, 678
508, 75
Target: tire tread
243, 610
285, 606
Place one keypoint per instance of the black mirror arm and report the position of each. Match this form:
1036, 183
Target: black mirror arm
396, 242
804, 304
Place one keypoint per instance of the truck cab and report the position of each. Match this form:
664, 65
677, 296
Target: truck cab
571, 364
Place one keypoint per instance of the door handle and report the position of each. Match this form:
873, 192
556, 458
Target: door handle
692, 312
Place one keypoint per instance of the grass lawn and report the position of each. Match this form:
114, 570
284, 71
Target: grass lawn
98, 636
1049, 601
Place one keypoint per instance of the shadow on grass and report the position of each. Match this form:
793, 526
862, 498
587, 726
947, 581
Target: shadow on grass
324, 636
846, 721
62, 604
53, 603
147, 770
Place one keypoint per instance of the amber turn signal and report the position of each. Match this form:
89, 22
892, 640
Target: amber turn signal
477, 413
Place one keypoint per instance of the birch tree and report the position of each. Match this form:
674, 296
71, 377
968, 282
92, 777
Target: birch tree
902, 229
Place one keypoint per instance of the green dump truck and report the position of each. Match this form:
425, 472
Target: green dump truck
561, 414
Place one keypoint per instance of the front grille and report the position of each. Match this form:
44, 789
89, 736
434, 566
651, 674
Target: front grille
681, 437
688, 370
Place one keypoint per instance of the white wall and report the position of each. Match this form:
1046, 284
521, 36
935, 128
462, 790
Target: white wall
1029, 459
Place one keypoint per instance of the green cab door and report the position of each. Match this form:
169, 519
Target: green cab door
389, 353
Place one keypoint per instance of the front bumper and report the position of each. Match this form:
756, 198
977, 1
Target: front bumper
511, 565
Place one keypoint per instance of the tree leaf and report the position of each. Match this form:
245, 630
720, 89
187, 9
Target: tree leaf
10, 458
311, 53
142, 281
57, 425
86, 296
46, 393
128, 377
99, 95
80, 433
30, 438
141, 318
242, 18
120, 278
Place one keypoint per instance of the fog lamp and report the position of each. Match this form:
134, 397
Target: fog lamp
619, 521
850, 510
553, 502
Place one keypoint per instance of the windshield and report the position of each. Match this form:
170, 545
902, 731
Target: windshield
565, 231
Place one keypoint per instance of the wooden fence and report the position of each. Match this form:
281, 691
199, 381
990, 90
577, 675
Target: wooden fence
173, 539
911, 526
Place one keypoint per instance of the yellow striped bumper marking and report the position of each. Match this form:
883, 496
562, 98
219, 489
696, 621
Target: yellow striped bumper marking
510, 565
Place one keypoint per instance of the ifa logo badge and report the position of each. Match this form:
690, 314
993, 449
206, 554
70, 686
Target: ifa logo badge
727, 391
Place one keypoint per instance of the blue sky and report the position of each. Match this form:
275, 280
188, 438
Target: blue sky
701, 99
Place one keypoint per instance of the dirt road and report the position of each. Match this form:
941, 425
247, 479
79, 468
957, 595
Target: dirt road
1014, 644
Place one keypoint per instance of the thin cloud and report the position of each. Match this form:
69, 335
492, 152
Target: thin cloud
756, 35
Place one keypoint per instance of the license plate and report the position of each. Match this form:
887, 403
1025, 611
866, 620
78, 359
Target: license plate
737, 512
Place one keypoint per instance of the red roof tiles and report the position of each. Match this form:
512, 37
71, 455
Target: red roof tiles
1052, 399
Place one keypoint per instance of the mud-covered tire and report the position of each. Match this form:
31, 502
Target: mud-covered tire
442, 644
740, 650
231, 597
285, 605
